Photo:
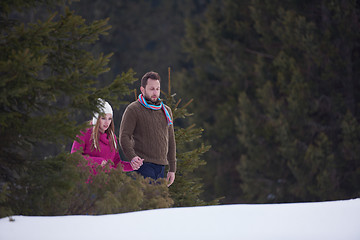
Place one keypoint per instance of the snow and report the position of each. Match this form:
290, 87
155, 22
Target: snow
333, 220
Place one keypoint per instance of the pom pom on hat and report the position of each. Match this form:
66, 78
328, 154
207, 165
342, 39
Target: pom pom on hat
105, 108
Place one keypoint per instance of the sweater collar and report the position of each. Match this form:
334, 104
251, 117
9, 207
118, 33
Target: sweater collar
103, 137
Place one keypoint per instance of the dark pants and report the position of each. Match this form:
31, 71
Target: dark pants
151, 170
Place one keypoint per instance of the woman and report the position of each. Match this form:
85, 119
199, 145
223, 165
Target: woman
98, 142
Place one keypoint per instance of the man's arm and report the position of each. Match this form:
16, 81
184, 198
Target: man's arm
127, 127
171, 154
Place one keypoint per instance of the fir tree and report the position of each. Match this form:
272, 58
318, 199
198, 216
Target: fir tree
297, 135
64, 190
187, 189
292, 69
219, 71
48, 80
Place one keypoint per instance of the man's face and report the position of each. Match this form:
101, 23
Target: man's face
152, 90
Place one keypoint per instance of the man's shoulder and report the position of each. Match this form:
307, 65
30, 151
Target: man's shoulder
133, 105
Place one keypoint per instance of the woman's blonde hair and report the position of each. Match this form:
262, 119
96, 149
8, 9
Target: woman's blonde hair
109, 132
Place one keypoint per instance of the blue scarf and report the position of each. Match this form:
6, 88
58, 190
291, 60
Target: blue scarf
156, 107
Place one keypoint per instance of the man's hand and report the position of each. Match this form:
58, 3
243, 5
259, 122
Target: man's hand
170, 178
136, 162
103, 163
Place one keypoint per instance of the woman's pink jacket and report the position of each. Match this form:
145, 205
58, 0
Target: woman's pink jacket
95, 156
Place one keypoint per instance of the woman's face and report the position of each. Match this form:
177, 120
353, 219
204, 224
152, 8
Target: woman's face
104, 122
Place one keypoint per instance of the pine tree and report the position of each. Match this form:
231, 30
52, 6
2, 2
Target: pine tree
138, 41
63, 190
287, 72
48, 81
294, 152
350, 152
187, 189
216, 64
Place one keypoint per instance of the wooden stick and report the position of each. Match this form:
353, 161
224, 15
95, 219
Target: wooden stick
169, 87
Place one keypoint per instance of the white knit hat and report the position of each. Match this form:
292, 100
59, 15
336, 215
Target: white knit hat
104, 108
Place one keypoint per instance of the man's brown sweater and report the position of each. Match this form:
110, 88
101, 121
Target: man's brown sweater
145, 133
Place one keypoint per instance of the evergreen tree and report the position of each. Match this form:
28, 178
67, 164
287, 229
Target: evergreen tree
219, 71
299, 110
145, 35
292, 69
187, 189
47, 81
62, 189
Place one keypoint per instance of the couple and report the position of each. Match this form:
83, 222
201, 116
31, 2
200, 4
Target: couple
146, 135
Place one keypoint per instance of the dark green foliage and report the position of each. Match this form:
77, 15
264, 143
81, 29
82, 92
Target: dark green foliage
216, 82
285, 76
145, 35
47, 78
8, 6
58, 187
47, 82
5, 210
188, 187
295, 151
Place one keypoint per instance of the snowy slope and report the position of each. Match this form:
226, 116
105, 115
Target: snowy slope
337, 220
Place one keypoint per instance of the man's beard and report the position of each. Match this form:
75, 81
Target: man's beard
149, 99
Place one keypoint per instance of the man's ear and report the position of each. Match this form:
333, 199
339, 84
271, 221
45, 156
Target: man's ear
142, 89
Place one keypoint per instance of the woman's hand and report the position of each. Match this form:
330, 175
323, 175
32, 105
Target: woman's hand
136, 162
103, 163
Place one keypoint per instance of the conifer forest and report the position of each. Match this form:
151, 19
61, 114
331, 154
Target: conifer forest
265, 97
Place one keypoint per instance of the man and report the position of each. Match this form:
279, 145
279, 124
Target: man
147, 131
